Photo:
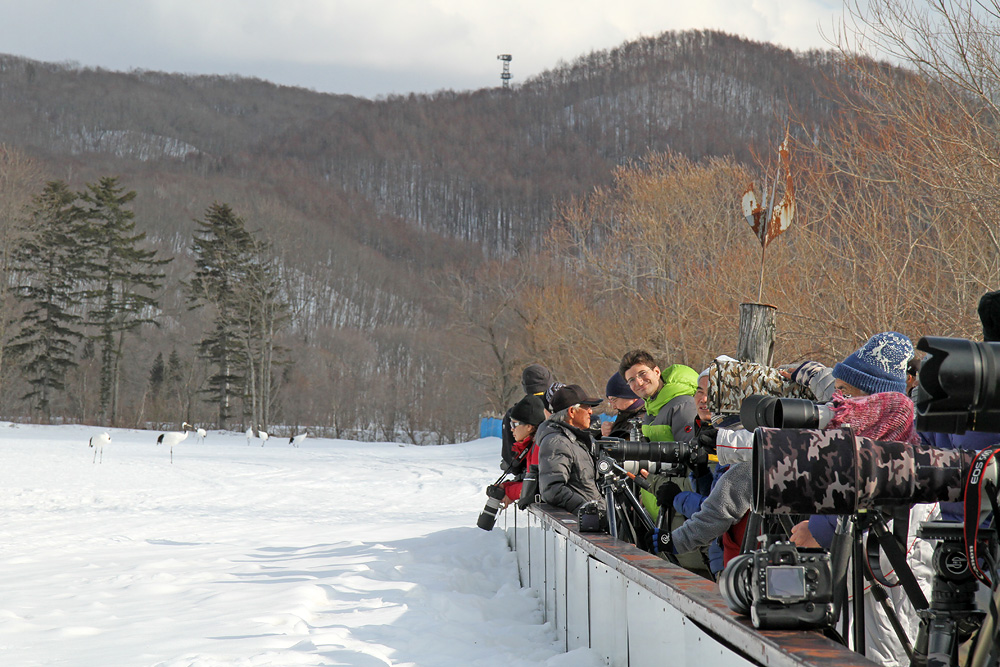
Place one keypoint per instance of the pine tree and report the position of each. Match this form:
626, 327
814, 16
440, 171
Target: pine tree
223, 250
157, 374
124, 280
235, 273
50, 270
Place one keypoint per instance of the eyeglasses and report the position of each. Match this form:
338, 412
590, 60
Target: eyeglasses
514, 424
641, 375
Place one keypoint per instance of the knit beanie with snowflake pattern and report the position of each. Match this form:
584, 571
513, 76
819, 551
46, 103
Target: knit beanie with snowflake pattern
880, 364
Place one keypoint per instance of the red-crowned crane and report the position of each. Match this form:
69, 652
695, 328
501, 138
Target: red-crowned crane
98, 442
173, 437
263, 435
296, 440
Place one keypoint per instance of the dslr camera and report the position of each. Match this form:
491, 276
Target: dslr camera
781, 587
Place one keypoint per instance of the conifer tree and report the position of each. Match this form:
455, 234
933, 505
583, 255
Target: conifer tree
50, 269
235, 274
125, 280
223, 250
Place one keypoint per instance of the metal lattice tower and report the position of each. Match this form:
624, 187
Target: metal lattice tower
505, 75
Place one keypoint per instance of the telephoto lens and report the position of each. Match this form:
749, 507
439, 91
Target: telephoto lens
488, 517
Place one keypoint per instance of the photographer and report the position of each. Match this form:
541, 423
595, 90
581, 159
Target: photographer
723, 522
668, 397
535, 380
525, 417
566, 473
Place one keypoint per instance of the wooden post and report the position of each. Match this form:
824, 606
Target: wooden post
757, 327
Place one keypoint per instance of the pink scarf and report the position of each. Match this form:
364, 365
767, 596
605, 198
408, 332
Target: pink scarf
886, 416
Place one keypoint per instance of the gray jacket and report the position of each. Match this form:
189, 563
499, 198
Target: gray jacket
566, 471
730, 498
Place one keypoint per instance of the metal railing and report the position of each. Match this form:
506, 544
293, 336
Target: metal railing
636, 609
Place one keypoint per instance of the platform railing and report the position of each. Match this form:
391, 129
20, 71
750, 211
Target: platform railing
636, 609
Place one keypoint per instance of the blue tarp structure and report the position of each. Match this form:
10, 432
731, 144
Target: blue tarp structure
490, 427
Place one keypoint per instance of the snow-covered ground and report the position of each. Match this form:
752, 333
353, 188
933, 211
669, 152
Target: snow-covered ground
334, 553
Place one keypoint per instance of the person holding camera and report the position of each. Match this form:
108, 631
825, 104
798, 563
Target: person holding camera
567, 476
535, 380
525, 416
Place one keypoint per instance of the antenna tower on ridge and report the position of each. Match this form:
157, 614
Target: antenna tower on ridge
505, 75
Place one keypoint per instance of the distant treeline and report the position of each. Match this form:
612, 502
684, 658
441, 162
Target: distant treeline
419, 249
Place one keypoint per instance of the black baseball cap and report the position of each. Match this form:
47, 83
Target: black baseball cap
571, 394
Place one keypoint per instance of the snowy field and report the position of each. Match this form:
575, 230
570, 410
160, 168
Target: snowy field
334, 553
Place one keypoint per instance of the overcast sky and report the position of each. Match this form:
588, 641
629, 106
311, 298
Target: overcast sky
377, 47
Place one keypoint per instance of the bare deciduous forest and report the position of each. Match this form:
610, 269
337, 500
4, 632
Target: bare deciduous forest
417, 251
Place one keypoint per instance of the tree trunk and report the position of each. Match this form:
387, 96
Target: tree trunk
757, 327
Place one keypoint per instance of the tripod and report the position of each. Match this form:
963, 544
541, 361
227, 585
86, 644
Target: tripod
952, 613
621, 500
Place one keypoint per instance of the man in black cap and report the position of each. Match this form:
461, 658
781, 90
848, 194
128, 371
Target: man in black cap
566, 473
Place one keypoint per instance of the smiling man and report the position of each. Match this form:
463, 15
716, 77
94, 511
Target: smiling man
668, 395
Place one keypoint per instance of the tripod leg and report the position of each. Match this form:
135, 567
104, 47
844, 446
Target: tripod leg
942, 644
883, 599
859, 594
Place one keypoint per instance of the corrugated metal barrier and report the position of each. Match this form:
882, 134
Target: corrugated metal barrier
636, 609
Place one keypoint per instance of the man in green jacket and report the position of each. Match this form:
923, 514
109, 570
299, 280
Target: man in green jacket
670, 414
668, 394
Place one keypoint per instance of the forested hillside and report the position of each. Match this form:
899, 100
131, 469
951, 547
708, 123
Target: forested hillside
370, 217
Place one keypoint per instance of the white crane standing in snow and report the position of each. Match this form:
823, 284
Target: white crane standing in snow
296, 440
263, 435
173, 437
98, 442
201, 434
249, 435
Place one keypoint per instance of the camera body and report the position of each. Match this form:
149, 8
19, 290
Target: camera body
781, 587
592, 517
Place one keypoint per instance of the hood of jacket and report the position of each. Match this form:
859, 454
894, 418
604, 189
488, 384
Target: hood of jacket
678, 380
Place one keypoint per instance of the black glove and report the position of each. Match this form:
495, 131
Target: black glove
666, 493
700, 470
664, 543
706, 435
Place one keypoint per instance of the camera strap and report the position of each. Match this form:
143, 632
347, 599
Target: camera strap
879, 535
974, 486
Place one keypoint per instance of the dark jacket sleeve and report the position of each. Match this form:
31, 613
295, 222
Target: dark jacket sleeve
822, 527
555, 467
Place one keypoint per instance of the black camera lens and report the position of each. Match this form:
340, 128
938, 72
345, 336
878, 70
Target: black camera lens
757, 410
656, 457
761, 410
735, 584
488, 517
795, 413
959, 386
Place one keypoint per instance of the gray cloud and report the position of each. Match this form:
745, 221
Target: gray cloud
375, 47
